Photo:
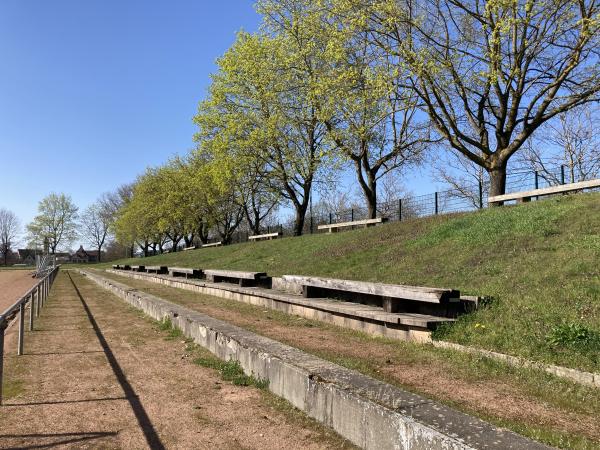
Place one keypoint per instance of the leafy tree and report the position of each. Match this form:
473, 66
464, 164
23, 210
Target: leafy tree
488, 73
260, 113
371, 115
56, 221
9, 230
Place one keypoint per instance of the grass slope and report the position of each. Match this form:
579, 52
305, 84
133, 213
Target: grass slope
538, 261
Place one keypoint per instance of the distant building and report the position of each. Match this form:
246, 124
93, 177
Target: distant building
27, 256
84, 256
62, 257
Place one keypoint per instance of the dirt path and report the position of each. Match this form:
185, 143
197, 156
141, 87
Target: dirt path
97, 374
487, 393
13, 284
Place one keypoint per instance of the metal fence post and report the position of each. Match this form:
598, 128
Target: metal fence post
480, 195
352, 215
562, 174
436, 203
38, 295
330, 218
3, 326
400, 210
311, 224
31, 310
20, 344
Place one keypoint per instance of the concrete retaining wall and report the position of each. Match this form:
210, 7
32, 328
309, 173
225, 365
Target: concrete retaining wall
368, 412
415, 334
585, 378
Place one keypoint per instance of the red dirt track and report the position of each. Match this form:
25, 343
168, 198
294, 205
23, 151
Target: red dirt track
13, 284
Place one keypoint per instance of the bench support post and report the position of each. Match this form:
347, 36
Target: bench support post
309, 292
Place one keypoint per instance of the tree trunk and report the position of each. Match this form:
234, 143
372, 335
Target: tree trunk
368, 185
188, 239
99, 253
370, 192
299, 217
497, 182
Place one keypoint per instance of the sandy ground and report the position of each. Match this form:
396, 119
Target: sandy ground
13, 284
96, 374
489, 397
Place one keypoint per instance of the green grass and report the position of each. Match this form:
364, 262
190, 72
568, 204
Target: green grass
538, 261
373, 356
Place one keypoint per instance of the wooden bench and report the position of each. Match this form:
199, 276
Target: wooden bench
525, 196
234, 276
267, 236
185, 272
333, 227
189, 248
157, 269
138, 268
213, 244
394, 297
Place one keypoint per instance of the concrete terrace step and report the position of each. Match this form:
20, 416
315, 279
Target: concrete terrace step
366, 318
370, 413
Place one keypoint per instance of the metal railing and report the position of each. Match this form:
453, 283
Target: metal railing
35, 298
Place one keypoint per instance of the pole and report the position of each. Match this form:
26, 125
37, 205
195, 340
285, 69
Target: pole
400, 210
31, 310
562, 174
436, 203
352, 215
3, 326
480, 195
20, 344
38, 291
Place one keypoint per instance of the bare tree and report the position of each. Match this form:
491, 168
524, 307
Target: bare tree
9, 229
95, 223
570, 140
393, 190
464, 177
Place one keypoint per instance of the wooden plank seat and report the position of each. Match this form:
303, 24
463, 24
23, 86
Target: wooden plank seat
234, 276
185, 272
157, 269
193, 247
138, 268
394, 298
333, 227
525, 196
213, 244
267, 236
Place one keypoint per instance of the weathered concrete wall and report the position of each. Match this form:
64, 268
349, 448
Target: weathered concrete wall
368, 412
281, 302
415, 334
585, 378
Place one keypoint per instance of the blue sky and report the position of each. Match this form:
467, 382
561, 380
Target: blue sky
92, 92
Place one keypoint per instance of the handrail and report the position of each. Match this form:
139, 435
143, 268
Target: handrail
36, 297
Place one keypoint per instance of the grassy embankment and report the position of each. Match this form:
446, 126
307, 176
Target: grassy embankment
539, 262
